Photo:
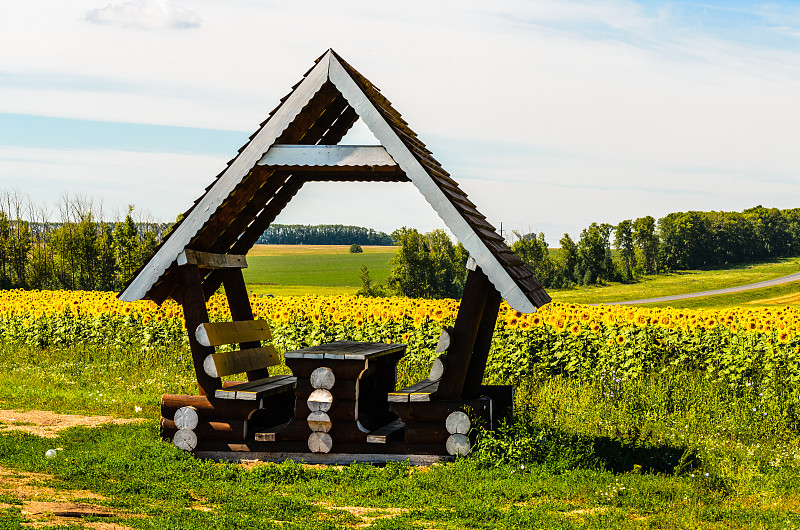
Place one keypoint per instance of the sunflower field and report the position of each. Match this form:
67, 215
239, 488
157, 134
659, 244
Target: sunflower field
738, 346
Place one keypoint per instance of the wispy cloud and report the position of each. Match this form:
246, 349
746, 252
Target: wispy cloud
145, 14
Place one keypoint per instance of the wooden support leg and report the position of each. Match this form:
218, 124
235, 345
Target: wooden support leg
464, 334
196, 313
239, 303
483, 343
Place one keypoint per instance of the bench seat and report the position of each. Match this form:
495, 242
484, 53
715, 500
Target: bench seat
254, 390
425, 390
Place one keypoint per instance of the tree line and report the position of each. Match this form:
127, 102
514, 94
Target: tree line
79, 251
430, 266
677, 241
278, 234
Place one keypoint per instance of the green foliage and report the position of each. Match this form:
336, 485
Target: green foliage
278, 234
427, 266
368, 288
355, 248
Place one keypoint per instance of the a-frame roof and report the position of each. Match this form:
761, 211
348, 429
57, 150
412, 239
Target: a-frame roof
258, 183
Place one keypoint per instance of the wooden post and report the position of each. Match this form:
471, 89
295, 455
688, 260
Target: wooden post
239, 303
464, 334
483, 343
196, 313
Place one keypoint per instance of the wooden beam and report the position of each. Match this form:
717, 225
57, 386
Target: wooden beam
342, 156
210, 260
196, 313
465, 331
483, 343
239, 304
238, 331
256, 228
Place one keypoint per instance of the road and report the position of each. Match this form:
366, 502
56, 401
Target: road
760, 285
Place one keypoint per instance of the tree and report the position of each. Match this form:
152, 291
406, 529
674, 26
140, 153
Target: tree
533, 251
355, 248
646, 241
427, 266
594, 253
367, 287
126, 247
623, 241
569, 261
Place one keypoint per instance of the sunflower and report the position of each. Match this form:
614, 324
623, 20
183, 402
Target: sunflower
575, 329
620, 340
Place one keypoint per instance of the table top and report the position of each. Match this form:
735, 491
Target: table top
346, 350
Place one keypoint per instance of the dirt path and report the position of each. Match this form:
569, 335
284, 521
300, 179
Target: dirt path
749, 287
49, 424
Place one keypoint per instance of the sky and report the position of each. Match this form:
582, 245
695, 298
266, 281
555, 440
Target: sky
551, 114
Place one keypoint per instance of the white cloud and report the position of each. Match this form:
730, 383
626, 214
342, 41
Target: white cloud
145, 14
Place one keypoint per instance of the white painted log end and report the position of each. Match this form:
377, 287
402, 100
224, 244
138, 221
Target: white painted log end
185, 439
202, 335
186, 418
210, 367
320, 442
319, 421
323, 377
438, 368
445, 341
320, 399
457, 423
458, 444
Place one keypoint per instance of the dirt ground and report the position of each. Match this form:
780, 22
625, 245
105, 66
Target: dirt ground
48, 424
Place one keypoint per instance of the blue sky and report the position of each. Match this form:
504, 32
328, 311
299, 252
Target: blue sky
551, 114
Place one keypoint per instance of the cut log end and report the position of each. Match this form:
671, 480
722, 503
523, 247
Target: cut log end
320, 442
319, 421
202, 335
458, 444
457, 423
186, 418
210, 367
438, 368
185, 439
445, 340
323, 377
320, 400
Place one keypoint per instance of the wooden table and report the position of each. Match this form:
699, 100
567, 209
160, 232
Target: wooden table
341, 393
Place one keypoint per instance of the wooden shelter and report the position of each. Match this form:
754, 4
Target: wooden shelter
341, 403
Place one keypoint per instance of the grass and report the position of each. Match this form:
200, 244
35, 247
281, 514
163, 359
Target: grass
294, 270
671, 449
689, 282
297, 270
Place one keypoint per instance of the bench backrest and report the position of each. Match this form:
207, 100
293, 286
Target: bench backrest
239, 332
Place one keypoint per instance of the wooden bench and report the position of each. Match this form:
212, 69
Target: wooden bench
252, 358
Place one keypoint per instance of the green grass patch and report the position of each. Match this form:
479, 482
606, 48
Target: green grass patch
667, 449
687, 282
295, 270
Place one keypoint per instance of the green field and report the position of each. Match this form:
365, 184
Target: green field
313, 269
330, 270
695, 281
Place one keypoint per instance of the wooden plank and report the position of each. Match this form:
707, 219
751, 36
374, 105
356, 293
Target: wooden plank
385, 433
229, 179
421, 391
482, 345
344, 459
218, 333
239, 305
208, 409
464, 334
194, 314
249, 360
210, 260
254, 390
342, 156
233, 430
418, 174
